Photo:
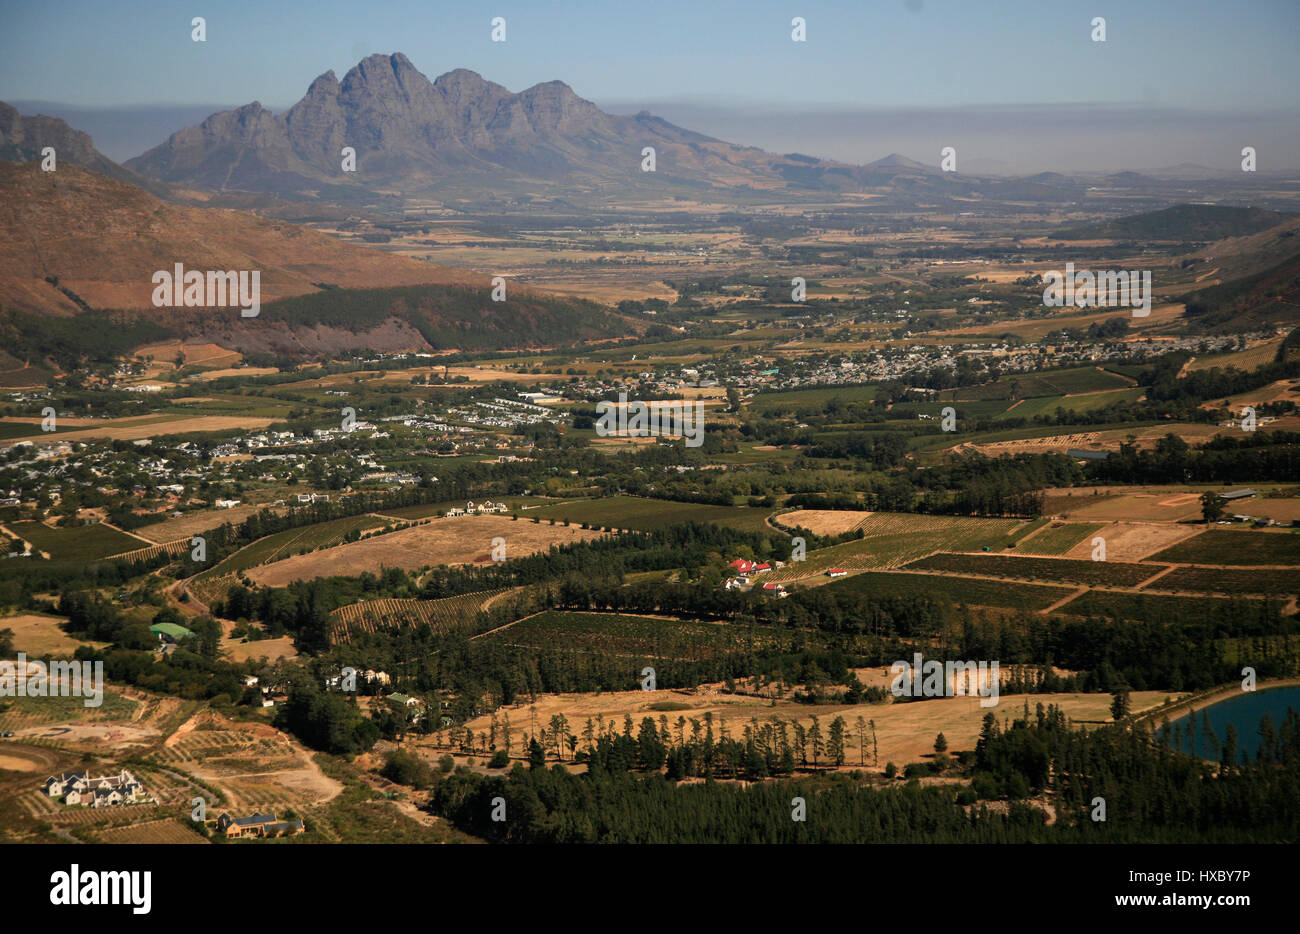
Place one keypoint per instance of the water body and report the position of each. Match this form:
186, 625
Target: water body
1243, 711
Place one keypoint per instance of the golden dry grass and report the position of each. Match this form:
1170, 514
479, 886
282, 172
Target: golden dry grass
824, 522
193, 523
904, 732
462, 540
131, 429
38, 635
1133, 541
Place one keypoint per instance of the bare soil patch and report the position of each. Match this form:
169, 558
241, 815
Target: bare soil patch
1133, 541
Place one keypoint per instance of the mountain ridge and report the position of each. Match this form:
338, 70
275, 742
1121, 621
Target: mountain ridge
411, 133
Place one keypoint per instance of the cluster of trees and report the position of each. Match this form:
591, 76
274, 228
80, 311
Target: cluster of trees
331, 722
92, 616
1252, 456
698, 747
1152, 794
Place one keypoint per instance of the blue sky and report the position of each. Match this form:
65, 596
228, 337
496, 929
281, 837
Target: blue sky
870, 53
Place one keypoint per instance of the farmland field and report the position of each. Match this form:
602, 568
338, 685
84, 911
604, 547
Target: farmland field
630, 512
441, 615
892, 539
952, 590
643, 636
39, 635
905, 732
1058, 539
1084, 402
292, 542
462, 540
824, 521
1152, 607
1134, 541
191, 524
166, 831
1056, 570
76, 543
1221, 546
795, 400
1231, 580
134, 429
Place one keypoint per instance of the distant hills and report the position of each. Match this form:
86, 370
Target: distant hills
1180, 223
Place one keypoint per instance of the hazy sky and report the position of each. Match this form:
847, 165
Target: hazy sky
730, 62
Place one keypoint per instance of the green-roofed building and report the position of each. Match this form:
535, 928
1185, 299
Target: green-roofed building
170, 632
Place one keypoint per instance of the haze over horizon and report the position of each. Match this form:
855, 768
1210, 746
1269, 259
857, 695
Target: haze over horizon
1013, 92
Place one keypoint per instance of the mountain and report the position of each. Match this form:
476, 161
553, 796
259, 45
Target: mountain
22, 139
461, 130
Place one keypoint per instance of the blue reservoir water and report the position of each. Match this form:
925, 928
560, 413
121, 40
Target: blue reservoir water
1243, 711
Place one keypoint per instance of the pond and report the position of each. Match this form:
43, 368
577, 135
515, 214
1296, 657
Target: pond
1243, 711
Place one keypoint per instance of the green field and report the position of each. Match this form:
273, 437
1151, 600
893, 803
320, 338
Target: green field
891, 539
632, 512
1073, 381
1221, 546
1047, 405
952, 590
77, 542
1156, 608
643, 636
1055, 570
796, 400
1059, 539
1238, 581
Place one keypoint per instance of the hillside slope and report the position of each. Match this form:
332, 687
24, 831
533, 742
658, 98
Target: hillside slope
103, 239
